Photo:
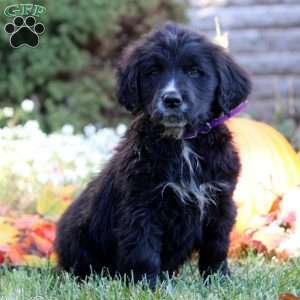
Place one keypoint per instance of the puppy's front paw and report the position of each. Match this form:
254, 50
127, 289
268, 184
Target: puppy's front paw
221, 269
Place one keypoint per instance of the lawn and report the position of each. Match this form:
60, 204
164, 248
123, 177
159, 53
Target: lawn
252, 278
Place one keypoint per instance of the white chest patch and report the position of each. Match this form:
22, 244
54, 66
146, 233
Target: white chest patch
187, 188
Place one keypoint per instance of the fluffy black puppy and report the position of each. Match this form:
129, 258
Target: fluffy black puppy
161, 197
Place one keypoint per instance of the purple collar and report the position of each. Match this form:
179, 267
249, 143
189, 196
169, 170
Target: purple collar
205, 128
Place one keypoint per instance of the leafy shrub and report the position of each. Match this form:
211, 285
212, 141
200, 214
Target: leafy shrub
69, 75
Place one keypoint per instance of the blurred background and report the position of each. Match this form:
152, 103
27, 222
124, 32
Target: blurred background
59, 118
69, 77
264, 36
66, 84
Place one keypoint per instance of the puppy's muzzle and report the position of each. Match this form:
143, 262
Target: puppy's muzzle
172, 100
172, 109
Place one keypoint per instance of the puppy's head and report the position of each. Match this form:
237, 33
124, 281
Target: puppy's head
179, 78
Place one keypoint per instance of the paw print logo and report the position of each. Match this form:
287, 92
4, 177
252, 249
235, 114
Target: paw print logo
24, 31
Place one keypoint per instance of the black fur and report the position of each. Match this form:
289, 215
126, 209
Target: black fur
130, 219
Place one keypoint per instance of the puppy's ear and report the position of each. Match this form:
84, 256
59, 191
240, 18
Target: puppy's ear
128, 81
234, 83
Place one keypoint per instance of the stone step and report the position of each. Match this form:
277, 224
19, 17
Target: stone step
271, 63
244, 17
258, 40
249, 41
208, 3
268, 110
275, 87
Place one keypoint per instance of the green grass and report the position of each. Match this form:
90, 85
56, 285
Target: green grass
252, 278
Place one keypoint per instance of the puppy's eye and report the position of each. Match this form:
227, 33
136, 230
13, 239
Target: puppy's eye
152, 72
194, 72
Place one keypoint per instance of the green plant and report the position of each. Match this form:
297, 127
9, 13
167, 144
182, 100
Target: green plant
253, 278
69, 75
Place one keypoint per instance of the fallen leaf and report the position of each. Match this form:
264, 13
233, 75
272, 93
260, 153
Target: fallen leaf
53, 259
289, 220
270, 237
52, 202
15, 254
27, 221
258, 246
42, 244
276, 205
35, 261
46, 230
2, 257
288, 296
8, 234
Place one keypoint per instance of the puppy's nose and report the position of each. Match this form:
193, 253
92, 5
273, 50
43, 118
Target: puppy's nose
172, 99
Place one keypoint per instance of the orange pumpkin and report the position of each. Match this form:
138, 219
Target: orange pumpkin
270, 167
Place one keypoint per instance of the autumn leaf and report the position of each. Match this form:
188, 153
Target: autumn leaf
8, 234
15, 254
3, 251
53, 201
27, 221
6, 220
288, 296
53, 259
46, 230
238, 242
289, 220
67, 193
270, 236
2, 257
42, 244
35, 261
276, 205
27, 240
43, 237
259, 246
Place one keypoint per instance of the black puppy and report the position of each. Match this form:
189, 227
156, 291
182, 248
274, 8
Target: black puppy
162, 196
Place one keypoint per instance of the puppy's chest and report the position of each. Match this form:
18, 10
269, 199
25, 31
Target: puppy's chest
184, 197
185, 181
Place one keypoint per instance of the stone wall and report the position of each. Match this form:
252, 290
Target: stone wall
264, 36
